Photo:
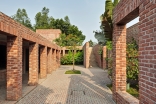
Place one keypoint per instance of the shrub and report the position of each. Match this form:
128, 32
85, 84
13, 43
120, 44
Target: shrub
68, 58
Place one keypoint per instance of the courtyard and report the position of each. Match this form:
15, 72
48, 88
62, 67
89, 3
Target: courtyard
58, 88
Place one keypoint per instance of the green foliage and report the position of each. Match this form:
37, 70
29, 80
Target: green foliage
106, 23
68, 58
91, 43
109, 45
43, 21
73, 72
61, 41
132, 61
22, 17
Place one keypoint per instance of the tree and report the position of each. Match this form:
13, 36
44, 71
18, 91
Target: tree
42, 19
22, 17
106, 22
106, 18
72, 42
91, 43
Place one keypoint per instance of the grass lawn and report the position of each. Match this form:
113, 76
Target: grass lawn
133, 90
73, 72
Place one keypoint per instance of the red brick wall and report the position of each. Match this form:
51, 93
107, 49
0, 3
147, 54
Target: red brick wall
49, 34
86, 55
145, 9
16, 33
96, 49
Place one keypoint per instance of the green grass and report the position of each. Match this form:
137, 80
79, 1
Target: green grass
133, 90
73, 72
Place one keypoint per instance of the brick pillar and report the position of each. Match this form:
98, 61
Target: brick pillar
147, 52
33, 64
14, 68
87, 55
119, 59
104, 57
43, 62
54, 59
49, 61
59, 58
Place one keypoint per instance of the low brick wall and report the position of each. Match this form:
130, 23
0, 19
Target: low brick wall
2, 75
123, 97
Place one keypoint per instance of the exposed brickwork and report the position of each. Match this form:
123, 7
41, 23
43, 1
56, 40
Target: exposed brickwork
145, 9
119, 59
14, 67
54, 63
147, 52
49, 71
49, 34
33, 64
104, 55
86, 55
43, 62
16, 34
125, 98
96, 49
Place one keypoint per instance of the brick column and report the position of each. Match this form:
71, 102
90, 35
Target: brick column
49, 61
43, 62
59, 56
54, 59
119, 59
87, 55
104, 57
14, 68
33, 64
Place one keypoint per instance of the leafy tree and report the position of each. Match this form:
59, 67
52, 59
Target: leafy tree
106, 23
61, 41
73, 41
106, 18
91, 43
42, 19
22, 17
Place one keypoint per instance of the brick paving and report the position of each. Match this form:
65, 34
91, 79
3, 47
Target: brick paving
59, 88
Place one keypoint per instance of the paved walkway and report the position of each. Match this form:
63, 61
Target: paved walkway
59, 88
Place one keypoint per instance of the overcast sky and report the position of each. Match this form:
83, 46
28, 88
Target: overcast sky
82, 13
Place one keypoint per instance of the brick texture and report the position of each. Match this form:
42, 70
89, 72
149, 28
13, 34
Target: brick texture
16, 33
86, 55
33, 64
49, 34
145, 9
14, 67
49, 71
43, 62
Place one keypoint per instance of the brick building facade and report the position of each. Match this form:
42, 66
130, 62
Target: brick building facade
131, 9
25, 51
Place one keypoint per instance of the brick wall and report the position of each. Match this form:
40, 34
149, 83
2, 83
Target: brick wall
145, 9
49, 34
16, 33
96, 49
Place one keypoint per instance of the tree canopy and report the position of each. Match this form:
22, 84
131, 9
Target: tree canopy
44, 21
22, 17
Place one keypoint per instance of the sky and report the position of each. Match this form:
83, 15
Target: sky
83, 13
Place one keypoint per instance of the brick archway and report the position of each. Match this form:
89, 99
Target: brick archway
123, 13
